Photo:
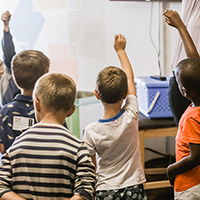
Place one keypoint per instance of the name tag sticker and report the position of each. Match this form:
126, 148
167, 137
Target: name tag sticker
22, 123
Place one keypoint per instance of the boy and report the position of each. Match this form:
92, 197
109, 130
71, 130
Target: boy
17, 116
47, 161
177, 102
8, 87
186, 170
115, 137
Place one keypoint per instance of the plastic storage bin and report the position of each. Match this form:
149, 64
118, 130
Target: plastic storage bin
153, 97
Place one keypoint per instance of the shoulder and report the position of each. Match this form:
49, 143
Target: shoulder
6, 109
131, 97
92, 130
55, 134
190, 119
55, 131
92, 127
19, 103
23, 103
131, 105
189, 126
192, 113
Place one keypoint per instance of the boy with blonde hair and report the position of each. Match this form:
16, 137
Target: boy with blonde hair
47, 161
115, 137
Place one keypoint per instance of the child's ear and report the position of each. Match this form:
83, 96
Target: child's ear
37, 104
96, 94
71, 111
189, 94
185, 91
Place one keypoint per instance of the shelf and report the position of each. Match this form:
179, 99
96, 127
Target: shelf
154, 133
156, 184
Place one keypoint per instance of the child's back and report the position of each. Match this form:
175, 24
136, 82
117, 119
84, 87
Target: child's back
115, 137
47, 161
45, 165
117, 144
185, 173
17, 116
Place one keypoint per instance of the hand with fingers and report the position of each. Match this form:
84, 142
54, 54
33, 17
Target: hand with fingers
172, 18
120, 42
119, 46
5, 17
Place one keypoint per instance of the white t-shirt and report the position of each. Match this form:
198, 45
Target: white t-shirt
116, 142
191, 18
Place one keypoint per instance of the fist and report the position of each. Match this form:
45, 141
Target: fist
5, 17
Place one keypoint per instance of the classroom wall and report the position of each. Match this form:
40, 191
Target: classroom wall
78, 35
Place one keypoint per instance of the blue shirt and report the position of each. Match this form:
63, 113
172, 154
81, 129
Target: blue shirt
8, 87
15, 118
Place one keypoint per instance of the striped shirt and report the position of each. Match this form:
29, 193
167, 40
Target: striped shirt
47, 162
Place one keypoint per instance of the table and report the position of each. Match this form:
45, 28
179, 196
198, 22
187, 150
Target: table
154, 128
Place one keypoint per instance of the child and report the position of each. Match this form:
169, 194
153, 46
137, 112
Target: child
17, 116
177, 102
8, 87
115, 137
47, 161
186, 170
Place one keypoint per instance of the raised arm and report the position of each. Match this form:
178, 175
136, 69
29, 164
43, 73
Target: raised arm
7, 42
119, 45
8, 88
173, 19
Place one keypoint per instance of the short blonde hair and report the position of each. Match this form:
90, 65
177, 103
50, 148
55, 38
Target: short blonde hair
55, 91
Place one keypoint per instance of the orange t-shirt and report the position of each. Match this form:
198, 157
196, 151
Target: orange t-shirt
188, 132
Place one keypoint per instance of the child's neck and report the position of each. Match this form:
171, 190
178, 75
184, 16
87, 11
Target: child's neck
196, 103
52, 118
195, 100
27, 92
111, 110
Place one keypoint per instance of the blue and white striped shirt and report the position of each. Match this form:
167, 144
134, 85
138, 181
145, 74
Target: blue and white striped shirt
47, 162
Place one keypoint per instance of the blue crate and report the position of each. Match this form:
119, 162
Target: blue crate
153, 97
